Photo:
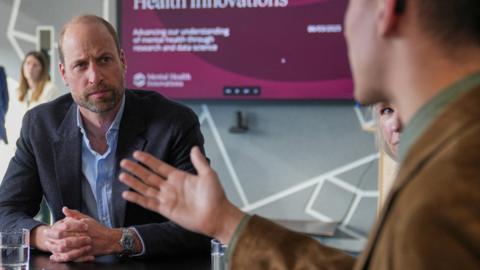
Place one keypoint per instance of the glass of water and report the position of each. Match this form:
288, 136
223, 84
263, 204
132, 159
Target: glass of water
14, 249
219, 255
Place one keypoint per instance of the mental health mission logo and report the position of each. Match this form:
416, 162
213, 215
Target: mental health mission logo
139, 79
162, 80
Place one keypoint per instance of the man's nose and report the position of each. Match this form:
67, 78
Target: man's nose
94, 74
395, 124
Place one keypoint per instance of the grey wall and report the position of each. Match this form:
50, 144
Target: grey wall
298, 161
32, 13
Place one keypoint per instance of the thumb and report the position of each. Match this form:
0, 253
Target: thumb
199, 161
71, 213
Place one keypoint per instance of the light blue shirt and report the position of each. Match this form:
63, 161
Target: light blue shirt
100, 170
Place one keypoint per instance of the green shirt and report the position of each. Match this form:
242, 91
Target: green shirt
236, 234
430, 111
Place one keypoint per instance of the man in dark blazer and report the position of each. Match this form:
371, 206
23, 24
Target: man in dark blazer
69, 150
423, 56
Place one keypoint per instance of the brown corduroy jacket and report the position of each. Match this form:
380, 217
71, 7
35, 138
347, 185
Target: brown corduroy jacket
430, 221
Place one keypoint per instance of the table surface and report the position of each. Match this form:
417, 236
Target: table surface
42, 262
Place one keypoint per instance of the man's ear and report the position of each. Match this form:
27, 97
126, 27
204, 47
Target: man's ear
61, 67
389, 13
123, 59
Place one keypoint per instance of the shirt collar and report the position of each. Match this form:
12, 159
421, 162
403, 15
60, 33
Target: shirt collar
118, 118
429, 112
115, 124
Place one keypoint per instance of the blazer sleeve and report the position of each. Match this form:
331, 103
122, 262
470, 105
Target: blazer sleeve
20, 191
263, 244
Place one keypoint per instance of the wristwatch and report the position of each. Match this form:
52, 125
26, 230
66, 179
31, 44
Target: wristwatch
127, 242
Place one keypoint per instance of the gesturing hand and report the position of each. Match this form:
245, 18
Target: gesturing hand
196, 202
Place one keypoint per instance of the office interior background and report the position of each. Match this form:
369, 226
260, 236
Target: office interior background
304, 160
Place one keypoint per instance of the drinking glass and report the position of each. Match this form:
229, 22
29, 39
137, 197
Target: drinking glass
14, 249
219, 255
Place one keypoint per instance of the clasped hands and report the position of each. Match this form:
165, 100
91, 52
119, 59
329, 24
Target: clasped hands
196, 202
77, 238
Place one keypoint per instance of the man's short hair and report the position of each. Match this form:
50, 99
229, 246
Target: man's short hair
451, 22
87, 19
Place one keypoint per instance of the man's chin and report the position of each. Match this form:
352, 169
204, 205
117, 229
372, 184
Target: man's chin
100, 107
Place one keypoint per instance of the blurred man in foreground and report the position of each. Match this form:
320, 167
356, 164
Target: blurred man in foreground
424, 57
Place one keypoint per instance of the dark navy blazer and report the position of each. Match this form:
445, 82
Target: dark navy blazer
48, 161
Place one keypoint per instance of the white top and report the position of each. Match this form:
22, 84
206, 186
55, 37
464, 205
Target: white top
15, 113
17, 109
50, 92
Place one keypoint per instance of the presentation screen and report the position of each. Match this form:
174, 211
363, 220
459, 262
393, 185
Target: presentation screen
236, 49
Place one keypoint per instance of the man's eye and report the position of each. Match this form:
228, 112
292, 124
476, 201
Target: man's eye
79, 66
386, 110
105, 59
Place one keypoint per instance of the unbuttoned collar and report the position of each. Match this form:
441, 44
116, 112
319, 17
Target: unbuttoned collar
115, 124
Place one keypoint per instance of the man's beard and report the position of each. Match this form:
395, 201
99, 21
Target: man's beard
104, 104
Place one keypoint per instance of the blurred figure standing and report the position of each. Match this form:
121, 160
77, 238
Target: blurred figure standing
3, 104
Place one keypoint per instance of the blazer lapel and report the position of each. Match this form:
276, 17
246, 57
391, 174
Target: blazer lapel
449, 123
130, 139
68, 162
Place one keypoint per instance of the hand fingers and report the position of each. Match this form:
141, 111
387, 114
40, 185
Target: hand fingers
159, 167
145, 202
199, 161
65, 228
139, 185
71, 255
57, 235
72, 213
135, 169
142, 173
67, 244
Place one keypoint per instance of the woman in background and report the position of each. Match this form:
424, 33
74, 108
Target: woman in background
389, 128
35, 87
388, 137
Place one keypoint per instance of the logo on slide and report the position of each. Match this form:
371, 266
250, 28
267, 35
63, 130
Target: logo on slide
139, 79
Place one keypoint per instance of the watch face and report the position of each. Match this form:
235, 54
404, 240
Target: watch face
127, 242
